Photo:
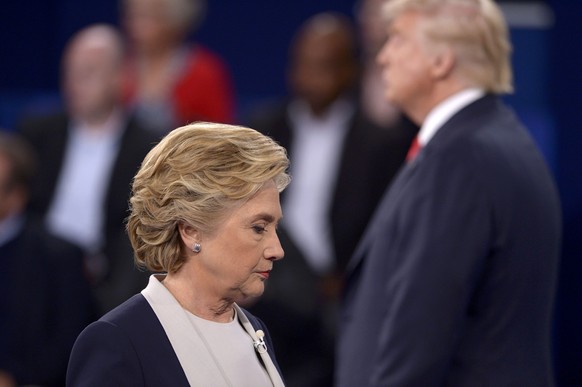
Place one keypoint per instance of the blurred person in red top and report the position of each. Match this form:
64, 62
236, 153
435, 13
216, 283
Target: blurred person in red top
170, 82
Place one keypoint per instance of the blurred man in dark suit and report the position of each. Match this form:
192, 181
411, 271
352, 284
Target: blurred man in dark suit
453, 282
88, 156
45, 299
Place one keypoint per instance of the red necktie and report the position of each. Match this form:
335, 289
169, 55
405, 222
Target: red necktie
413, 150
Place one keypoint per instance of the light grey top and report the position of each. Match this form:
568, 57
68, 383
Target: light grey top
210, 353
233, 348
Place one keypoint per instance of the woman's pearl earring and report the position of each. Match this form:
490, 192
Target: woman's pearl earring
196, 247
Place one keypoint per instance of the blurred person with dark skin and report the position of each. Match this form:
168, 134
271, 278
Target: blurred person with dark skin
341, 164
204, 213
170, 81
453, 283
45, 297
88, 155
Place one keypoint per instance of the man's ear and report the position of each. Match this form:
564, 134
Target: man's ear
443, 63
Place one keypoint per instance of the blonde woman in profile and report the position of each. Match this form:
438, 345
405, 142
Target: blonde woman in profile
204, 212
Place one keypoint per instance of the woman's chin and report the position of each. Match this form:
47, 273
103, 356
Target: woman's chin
250, 296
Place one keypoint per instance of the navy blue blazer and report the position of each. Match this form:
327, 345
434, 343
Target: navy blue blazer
129, 347
453, 282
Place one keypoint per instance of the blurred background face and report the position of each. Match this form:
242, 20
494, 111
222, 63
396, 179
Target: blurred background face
372, 26
91, 77
11, 198
151, 24
4, 170
323, 65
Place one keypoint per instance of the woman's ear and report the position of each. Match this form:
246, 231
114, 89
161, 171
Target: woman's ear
188, 234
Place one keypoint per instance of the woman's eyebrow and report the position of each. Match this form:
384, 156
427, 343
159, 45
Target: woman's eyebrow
266, 217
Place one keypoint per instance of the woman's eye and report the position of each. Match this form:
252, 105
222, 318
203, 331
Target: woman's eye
259, 229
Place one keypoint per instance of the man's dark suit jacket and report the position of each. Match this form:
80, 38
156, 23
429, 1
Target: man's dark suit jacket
45, 303
49, 136
454, 280
129, 347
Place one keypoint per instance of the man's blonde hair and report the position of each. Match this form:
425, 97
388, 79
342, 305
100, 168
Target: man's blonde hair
476, 31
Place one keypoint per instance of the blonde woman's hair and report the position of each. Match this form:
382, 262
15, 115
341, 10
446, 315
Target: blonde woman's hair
477, 32
194, 176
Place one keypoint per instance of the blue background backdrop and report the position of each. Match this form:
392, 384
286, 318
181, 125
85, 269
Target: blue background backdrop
253, 37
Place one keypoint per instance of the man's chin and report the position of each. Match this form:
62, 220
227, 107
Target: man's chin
389, 96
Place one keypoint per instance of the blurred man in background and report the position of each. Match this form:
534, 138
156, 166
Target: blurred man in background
88, 155
45, 297
341, 164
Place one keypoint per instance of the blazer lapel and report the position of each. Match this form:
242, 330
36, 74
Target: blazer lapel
189, 347
265, 357
448, 131
394, 190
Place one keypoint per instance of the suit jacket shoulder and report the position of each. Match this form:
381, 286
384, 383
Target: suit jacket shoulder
135, 143
126, 347
48, 136
272, 120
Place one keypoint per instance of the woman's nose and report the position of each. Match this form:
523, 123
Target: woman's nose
275, 250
